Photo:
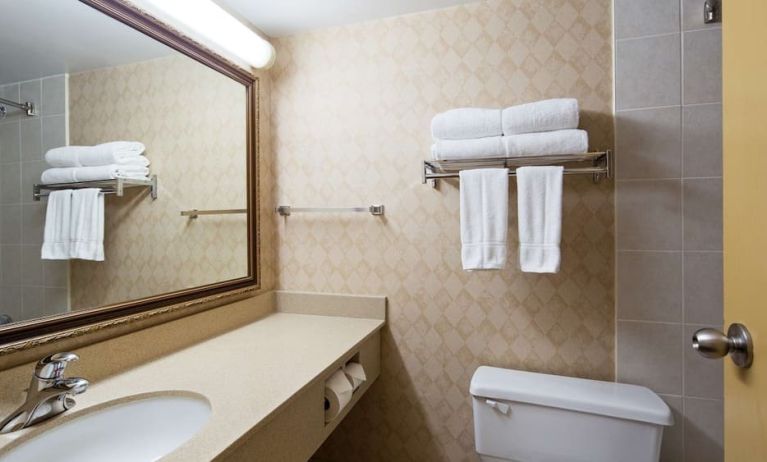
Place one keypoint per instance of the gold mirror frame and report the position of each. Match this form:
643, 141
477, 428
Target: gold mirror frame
13, 337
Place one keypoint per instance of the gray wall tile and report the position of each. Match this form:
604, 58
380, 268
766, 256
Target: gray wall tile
10, 183
649, 286
703, 280
649, 215
31, 139
647, 17
10, 224
703, 430
33, 301
648, 72
31, 266
703, 214
650, 354
703, 140
702, 376
54, 95
10, 302
54, 132
10, 142
32, 223
672, 448
649, 143
10, 263
703, 66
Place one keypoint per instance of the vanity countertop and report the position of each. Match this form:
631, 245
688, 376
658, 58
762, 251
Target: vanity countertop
247, 374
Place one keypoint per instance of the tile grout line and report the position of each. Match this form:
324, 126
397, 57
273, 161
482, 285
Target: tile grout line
682, 146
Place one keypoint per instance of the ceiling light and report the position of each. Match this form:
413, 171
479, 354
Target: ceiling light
216, 25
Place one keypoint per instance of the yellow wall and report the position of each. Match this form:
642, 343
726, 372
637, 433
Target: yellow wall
351, 110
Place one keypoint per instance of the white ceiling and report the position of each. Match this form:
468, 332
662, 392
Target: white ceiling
288, 17
39, 38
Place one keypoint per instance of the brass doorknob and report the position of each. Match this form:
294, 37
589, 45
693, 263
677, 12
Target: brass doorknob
714, 344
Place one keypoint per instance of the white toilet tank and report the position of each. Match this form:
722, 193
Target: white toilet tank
528, 417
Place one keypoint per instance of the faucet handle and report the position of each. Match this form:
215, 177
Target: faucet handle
52, 367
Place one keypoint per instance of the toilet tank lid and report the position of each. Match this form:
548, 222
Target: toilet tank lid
630, 402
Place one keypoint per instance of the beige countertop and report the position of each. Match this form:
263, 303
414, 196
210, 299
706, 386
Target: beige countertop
247, 374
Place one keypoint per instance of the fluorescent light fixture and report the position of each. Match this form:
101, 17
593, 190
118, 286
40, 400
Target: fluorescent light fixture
206, 18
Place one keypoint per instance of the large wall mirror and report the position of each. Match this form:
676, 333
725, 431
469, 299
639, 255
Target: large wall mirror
111, 100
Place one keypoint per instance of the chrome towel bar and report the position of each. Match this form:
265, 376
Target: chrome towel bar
287, 210
194, 213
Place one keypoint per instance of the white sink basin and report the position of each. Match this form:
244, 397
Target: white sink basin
143, 429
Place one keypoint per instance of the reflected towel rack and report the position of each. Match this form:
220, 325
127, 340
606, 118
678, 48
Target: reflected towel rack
194, 213
286, 210
598, 164
116, 186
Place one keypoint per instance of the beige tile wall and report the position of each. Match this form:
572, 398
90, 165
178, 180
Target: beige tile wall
351, 108
192, 120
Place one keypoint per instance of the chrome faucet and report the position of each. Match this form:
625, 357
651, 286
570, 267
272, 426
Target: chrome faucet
49, 393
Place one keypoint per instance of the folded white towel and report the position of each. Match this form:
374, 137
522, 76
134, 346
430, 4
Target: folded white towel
466, 123
484, 217
104, 172
87, 232
547, 143
116, 152
541, 116
56, 237
468, 149
539, 194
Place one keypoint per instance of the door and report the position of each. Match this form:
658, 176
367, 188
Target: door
745, 222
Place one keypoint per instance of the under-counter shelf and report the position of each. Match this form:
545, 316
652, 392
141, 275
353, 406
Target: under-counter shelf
116, 186
597, 164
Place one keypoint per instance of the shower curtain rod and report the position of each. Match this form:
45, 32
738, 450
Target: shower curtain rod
27, 107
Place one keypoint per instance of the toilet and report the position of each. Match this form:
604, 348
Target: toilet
528, 417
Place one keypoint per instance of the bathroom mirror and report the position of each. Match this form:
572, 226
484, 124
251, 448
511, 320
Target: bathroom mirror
166, 131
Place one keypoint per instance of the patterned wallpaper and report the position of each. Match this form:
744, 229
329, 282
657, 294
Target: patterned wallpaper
351, 108
192, 121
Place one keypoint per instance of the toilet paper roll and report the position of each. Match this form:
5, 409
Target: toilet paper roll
338, 393
355, 373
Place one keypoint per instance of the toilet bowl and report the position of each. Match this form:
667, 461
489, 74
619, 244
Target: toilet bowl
528, 417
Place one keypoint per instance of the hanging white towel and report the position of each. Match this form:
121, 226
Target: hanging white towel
484, 218
466, 123
116, 152
539, 194
541, 116
56, 237
87, 232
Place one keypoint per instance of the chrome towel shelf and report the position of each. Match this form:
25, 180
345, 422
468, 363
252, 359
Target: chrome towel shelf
287, 210
116, 186
597, 164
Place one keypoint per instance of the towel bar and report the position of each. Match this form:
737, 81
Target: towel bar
194, 213
286, 210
